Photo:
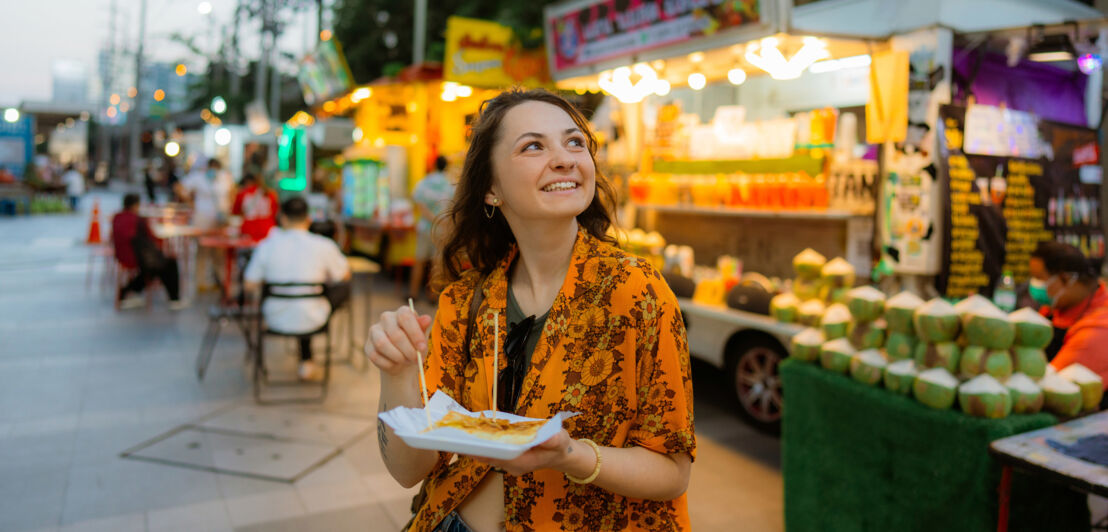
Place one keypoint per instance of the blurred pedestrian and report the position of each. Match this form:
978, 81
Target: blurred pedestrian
74, 185
432, 197
208, 189
291, 254
149, 182
136, 248
257, 205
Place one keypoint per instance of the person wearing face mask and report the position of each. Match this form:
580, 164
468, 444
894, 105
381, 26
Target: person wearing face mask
1063, 278
583, 327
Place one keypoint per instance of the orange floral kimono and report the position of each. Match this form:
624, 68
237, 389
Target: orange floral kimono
613, 348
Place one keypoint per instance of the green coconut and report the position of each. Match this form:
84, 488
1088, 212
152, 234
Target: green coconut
836, 355
971, 303
806, 345
837, 273
836, 322
984, 396
944, 355
1030, 361
978, 360
868, 366
936, 321
899, 311
866, 303
1032, 330
900, 346
1092, 386
808, 263
1061, 396
900, 376
783, 307
1027, 397
833, 295
806, 289
868, 335
810, 313
936, 388
989, 327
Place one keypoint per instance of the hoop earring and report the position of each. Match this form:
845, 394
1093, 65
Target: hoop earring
489, 213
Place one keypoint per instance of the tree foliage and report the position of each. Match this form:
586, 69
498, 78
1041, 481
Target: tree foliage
366, 28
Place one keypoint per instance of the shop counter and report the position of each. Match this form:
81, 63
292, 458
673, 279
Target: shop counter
858, 457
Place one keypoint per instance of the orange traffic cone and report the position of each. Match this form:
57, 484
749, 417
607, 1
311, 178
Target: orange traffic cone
94, 225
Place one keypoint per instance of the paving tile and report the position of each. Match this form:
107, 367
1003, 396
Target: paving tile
275, 422
359, 519
333, 496
126, 486
211, 515
118, 523
41, 449
264, 507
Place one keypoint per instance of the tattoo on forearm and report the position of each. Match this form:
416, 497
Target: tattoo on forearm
382, 436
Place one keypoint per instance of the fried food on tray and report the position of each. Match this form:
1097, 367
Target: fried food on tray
500, 430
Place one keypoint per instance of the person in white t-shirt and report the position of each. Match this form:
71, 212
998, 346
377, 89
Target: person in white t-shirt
210, 189
291, 254
74, 185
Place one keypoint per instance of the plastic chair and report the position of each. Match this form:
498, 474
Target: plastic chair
289, 291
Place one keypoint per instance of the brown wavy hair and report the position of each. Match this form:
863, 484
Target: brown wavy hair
475, 241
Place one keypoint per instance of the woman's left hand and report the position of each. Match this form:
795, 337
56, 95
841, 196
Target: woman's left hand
550, 454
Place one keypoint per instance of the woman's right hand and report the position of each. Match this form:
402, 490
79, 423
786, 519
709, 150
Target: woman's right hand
394, 339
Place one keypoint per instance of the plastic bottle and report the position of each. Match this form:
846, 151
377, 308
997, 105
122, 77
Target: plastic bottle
1005, 295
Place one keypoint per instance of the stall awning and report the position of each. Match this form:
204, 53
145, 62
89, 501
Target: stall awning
882, 19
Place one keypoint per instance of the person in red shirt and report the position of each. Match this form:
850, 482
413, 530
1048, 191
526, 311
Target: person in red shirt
137, 248
257, 205
1079, 301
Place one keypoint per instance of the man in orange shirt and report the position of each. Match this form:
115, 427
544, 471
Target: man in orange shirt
1079, 301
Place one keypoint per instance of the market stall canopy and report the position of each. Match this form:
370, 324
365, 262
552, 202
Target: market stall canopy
881, 19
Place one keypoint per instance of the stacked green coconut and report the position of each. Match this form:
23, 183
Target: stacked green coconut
988, 334
901, 340
836, 277
806, 345
785, 307
936, 323
836, 322
1032, 334
867, 307
808, 265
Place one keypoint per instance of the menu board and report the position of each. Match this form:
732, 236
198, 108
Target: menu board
1000, 208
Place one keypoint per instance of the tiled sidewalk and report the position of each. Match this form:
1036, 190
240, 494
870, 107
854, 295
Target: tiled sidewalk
81, 383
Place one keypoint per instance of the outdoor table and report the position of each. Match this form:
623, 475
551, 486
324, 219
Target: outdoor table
1030, 452
177, 238
859, 457
231, 245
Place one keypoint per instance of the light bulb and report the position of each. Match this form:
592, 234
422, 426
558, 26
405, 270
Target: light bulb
697, 81
736, 76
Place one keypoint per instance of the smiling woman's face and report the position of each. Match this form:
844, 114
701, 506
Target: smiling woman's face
541, 164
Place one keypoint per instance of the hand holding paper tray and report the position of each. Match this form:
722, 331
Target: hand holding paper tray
410, 424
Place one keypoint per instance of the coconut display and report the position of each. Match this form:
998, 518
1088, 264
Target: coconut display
971, 303
936, 321
900, 346
944, 355
810, 313
868, 366
899, 312
833, 295
1027, 397
989, 327
900, 376
836, 355
978, 360
836, 322
936, 388
868, 335
808, 263
1092, 387
1030, 361
784, 307
806, 344
806, 289
866, 303
1061, 396
984, 396
837, 273
1032, 330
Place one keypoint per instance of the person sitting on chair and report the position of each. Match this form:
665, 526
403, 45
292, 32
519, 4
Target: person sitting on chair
137, 248
291, 254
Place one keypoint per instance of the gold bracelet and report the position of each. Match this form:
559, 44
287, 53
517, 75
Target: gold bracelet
595, 471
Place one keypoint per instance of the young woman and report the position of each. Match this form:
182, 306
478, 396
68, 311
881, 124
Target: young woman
584, 327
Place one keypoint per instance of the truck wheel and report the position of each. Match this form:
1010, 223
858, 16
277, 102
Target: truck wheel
753, 374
